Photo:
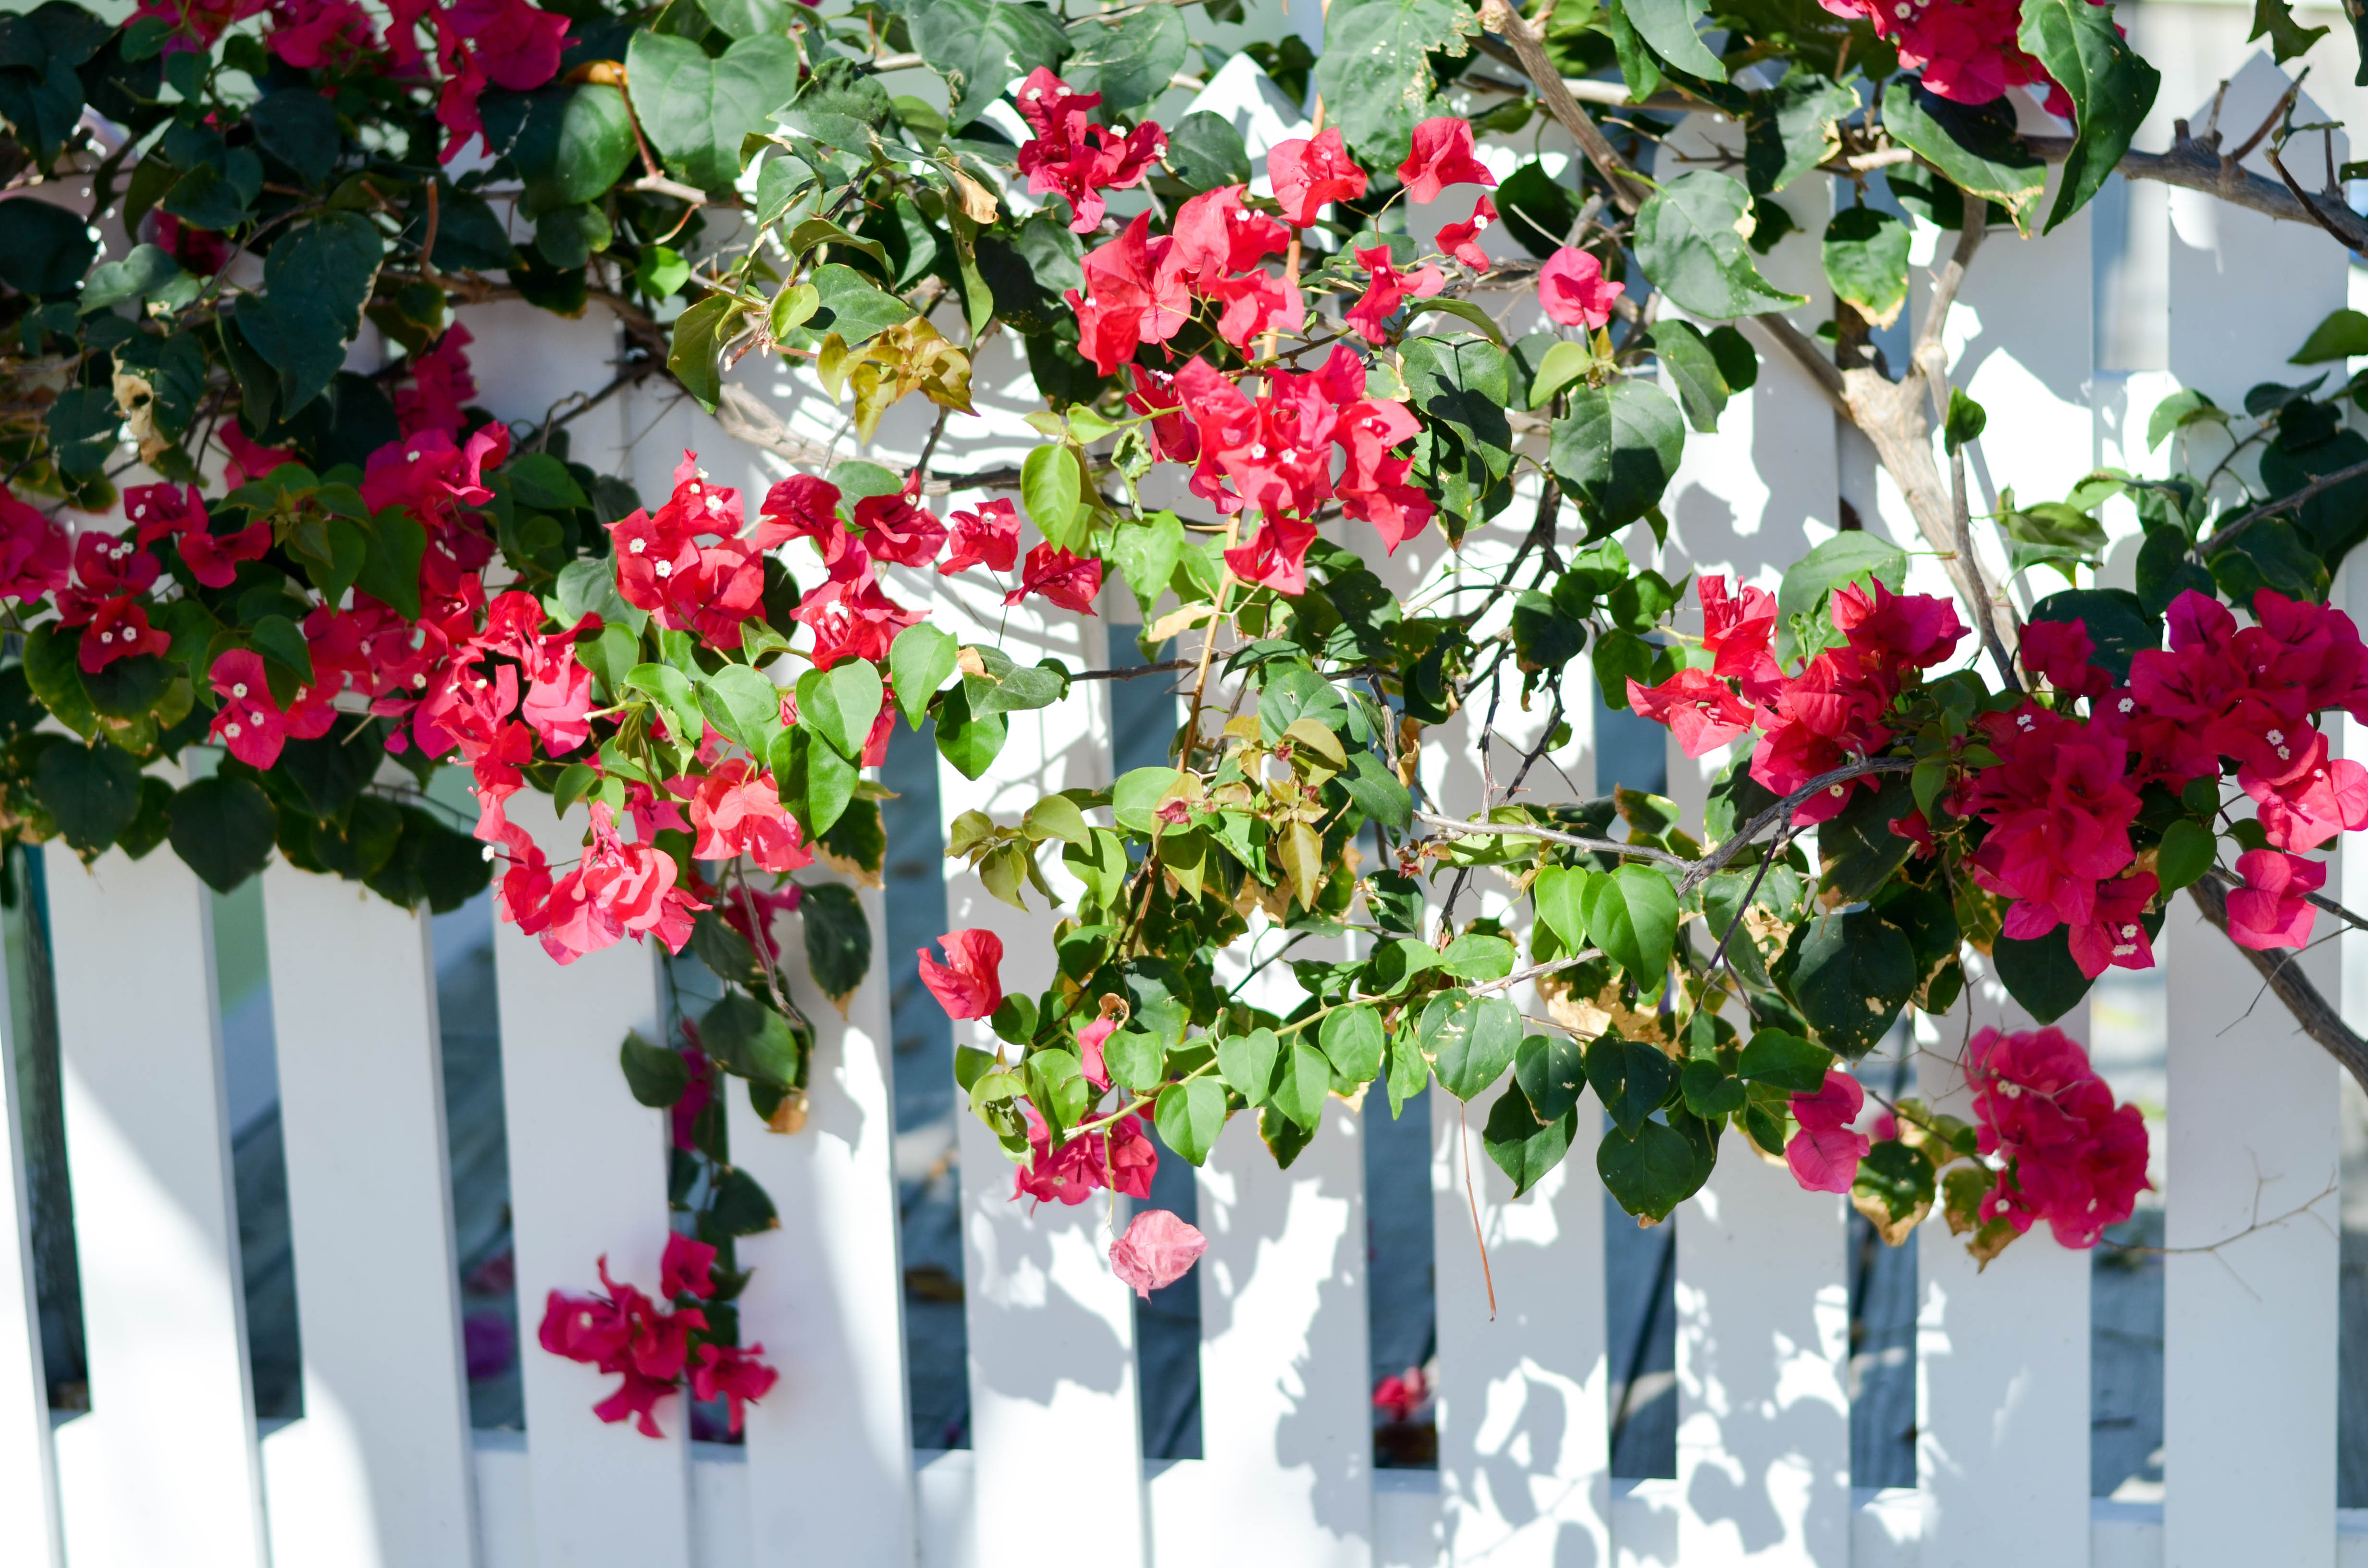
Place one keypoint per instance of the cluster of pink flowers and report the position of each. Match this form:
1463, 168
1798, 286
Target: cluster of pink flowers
1966, 49
1818, 720
1823, 1155
2070, 1155
651, 1343
1076, 159
478, 44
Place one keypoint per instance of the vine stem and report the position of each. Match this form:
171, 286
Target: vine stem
1471, 1196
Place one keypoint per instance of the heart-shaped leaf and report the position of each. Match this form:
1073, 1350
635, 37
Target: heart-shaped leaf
839, 704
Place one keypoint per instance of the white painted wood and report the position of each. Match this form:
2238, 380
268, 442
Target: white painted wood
588, 1179
1286, 1431
377, 1473
2253, 1133
165, 1469
2002, 1352
1052, 1329
30, 1532
827, 1300
1524, 1412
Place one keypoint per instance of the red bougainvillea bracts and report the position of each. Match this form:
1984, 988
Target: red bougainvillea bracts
650, 1345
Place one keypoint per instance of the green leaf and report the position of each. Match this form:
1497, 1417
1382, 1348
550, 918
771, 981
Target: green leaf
145, 273
2340, 336
743, 704
1303, 1078
1967, 421
695, 110
1846, 558
1469, 1040
699, 334
1129, 63
1974, 146
1057, 816
2183, 408
751, 1039
1692, 364
655, 1077
2110, 87
1798, 132
1524, 1145
971, 741
1376, 68
2287, 37
1539, 211
1631, 1078
1246, 1063
1205, 152
1352, 1040
1849, 975
851, 307
1377, 792
1690, 236
1552, 1072
1617, 450
840, 704
2041, 974
1865, 254
1051, 487
1709, 1090
1859, 848
814, 781
1563, 364
841, 106
919, 662
1640, 68
223, 827
1632, 915
978, 45
92, 792
44, 248
1673, 29
1145, 553
1649, 1169
315, 284
1561, 893
2188, 850
747, 18
1785, 1061
1189, 1117
676, 697
838, 939
299, 129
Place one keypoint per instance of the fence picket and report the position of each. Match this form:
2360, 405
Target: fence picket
28, 1495
165, 1469
2002, 1354
1285, 1430
1763, 1422
2254, 1109
588, 1180
829, 1451
1052, 1329
377, 1470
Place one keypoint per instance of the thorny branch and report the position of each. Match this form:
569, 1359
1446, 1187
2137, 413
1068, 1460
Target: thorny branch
2318, 1017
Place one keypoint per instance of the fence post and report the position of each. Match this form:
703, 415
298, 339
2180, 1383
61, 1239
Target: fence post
28, 1491
379, 1470
164, 1467
2253, 1156
830, 1456
588, 1180
1052, 1328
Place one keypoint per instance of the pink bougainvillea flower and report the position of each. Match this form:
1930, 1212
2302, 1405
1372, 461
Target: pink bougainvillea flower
617, 890
248, 459
1309, 174
1257, 303
1067, 580
439, 386
1462, 241
1133, 1159
802, 506
897, 528
118, 629
988, 537
851, 617
1276, 558
1402, 1395
1130, 298
2115, 936
2325, 796
2069, 1155
1738, 632
1387, 291
736, 810
969, 983
2058, 651
1441, 157
1215, 237
1823, 1155
1889, 633
1572, 290
250, 724
1068, 1175
1073, 158
685, 1269
1157, 1250
2272, 909
36, 554
1700, 710
1090, 1040
736, 1376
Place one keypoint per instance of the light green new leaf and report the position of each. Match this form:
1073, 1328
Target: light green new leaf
919, 662
839, 704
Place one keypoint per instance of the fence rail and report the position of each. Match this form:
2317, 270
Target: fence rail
169, 1466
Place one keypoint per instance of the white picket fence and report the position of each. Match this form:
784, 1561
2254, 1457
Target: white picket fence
382, 1469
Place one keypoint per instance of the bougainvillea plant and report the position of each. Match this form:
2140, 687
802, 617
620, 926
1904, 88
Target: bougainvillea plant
255, 598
